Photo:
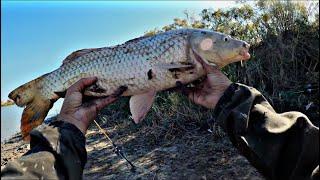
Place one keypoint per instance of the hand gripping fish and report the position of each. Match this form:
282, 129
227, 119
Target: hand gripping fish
143, 65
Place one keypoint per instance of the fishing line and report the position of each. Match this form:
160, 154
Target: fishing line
118, 151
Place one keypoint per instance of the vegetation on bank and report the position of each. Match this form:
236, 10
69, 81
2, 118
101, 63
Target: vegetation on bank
7, 103
284, 38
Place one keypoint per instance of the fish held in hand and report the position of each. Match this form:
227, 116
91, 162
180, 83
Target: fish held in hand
143, 65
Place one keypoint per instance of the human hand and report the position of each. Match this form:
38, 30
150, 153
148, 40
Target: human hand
79, 112
209, 92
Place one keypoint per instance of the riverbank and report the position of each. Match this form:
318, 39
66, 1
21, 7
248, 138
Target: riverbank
191, 154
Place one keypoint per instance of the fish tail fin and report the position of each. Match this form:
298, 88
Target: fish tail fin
33, 115
36, 105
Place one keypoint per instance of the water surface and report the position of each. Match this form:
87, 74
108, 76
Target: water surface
10, 119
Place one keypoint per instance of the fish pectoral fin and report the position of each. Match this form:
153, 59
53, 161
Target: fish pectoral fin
33, 115
140, 105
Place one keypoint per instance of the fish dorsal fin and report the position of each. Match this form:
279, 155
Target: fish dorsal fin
73, 56
140, 105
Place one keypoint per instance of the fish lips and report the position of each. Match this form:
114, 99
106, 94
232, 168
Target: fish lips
244, 55
15, 98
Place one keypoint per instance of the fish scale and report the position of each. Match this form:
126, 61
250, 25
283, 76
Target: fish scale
142, 66
116, 63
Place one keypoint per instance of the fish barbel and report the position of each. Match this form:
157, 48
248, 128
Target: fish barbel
143, 65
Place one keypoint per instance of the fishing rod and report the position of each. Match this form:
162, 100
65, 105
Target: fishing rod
117, 150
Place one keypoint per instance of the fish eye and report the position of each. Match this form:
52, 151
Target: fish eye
225, 39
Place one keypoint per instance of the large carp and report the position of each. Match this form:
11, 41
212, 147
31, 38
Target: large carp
143, 65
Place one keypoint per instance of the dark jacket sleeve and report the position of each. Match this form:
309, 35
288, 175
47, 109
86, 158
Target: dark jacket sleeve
57, 151
280, 146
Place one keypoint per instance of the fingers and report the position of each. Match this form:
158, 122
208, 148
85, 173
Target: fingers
207, 67
192, 95
119, 91
95, 105
217, 79
81, 84
210, 69
101, 103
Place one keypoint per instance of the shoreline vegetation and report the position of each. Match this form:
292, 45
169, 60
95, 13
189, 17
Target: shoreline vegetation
5, 103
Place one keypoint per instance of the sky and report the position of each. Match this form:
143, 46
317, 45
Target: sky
36, 36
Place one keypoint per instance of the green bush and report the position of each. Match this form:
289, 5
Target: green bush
284, 38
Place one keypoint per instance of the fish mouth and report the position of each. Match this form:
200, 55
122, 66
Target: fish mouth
244, 55
15, 98
12, 97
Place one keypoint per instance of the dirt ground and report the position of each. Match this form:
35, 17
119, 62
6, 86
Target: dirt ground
192, 154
